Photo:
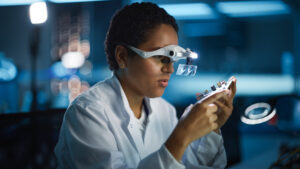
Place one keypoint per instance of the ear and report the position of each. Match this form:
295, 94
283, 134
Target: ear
121, 56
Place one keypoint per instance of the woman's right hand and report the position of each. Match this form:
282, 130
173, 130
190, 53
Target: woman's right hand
201, 119
194, 124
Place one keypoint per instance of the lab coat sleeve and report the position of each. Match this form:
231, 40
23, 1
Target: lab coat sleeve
207, 152
90, 144
162, 159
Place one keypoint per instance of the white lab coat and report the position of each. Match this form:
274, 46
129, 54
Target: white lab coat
99, 131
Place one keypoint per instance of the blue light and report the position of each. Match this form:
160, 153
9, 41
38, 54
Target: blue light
38, 12
28, 2
59, 70
73, 1
252, 8
189, 11
8, 70
17, 2
203, 29
247, 85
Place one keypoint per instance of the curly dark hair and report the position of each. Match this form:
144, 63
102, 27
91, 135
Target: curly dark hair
131, 25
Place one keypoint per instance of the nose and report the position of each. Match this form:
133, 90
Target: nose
168, 68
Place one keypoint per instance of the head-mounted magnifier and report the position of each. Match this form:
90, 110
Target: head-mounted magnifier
174, 53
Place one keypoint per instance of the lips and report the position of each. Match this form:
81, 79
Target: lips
163, 82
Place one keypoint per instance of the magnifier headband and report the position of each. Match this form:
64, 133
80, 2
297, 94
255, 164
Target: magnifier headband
174, 52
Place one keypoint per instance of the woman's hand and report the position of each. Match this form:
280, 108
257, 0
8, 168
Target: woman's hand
201, 118
225, 105
199, 121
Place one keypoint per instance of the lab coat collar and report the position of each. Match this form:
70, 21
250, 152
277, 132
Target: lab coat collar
129, 112
131, 126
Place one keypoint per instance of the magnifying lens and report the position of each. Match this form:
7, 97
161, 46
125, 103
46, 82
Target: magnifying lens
186, 70
258, 113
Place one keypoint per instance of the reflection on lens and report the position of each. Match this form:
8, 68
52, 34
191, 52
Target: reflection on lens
186, 70
258, 113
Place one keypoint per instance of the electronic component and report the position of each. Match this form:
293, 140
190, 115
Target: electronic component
221, 86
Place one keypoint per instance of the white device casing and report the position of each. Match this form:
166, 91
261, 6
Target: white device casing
174, 52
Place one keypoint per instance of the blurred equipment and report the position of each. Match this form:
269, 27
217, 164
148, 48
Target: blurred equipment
258, 113
71, 50
289, 157
38, 15
285, 107
8, 70
28, 139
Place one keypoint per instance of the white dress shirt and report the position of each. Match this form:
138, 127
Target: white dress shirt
99, 130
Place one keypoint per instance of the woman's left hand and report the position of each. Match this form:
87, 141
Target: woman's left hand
225, 105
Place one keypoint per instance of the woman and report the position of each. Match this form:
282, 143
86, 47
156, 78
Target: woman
123, 123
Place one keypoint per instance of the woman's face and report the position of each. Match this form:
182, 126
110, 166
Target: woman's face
149, 77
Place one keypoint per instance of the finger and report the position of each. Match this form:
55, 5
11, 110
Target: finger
211, 108
214, 97
226, 100
221, 105
213, 118
222, 99
227, 110
233, 86
187, 110
214, 126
